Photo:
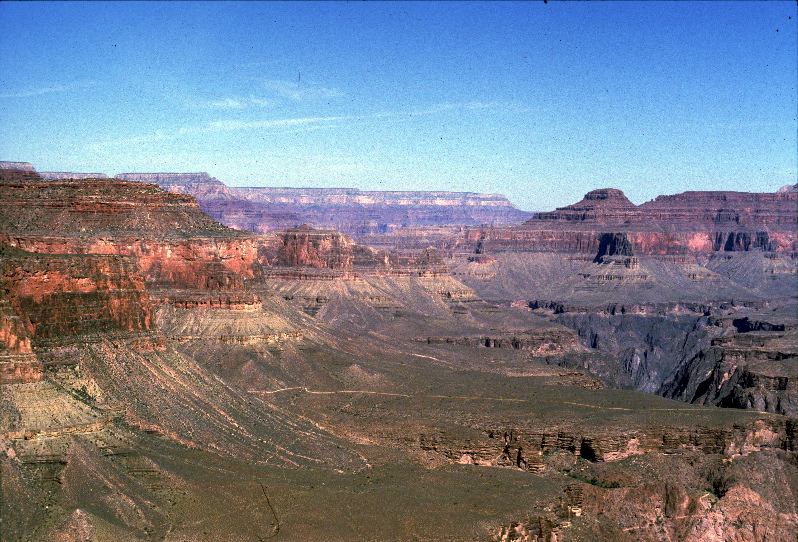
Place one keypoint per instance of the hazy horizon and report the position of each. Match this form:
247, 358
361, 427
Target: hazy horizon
540, 102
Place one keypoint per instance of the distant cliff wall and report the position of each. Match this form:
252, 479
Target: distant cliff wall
669, 225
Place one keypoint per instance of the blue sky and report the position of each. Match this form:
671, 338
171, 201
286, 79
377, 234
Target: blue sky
539, 101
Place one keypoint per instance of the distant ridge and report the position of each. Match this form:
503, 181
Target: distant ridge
60, 175
22, 166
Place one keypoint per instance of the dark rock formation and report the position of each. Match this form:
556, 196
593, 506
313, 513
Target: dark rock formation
613, 244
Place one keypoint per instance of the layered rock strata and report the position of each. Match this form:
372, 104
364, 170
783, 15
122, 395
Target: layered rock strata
45, 297
348, 210
305, 252
174, 242
59, 175
691, 222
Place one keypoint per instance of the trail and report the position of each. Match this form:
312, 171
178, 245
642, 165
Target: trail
477, 398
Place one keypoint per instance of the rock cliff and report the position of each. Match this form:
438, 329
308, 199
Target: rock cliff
165, 377
679, 224
19, 166
297, 250
44, 297
200, 185
602, 206
173, 241
59, 175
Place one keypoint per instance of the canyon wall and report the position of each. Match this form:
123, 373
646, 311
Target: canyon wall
684, 223
348, 210
59, 175
173, 241
44, 297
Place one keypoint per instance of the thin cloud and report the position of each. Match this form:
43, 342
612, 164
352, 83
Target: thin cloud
296, 125
296, 91
47, 90
227, 103
237, 103
230, 125
218, 126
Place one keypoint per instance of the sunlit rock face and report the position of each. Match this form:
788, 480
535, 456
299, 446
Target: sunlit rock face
58, 175
46, 297
691, 222
172, 240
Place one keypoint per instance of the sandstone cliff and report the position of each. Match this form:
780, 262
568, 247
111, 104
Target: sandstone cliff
173, 241
683, 223
47, 296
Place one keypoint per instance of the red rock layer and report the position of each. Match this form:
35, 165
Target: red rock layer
731, 209
70, 294
174, 242
212, 263
45, 297
305, 253
679, 224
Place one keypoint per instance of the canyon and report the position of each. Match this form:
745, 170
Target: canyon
604, 371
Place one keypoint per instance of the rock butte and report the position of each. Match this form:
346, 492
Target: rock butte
158, 367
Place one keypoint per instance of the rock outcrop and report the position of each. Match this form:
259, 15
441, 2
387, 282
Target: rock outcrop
200, 185
687, 223
19, 166
296, 251
44, 297
602, 206
174, 242
76, 294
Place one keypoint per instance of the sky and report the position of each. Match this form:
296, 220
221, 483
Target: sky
539, 101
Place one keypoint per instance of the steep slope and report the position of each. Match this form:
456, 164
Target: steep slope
653, 285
